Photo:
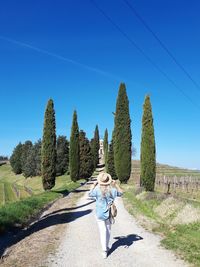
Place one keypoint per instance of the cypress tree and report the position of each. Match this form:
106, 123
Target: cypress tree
86, 159
110, 162
96, 146
74, 161
148, 148
122, 136
48, 152
105, 148
62, 161
15, 159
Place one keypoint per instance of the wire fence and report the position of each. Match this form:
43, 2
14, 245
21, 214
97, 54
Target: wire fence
173, 183
169, 184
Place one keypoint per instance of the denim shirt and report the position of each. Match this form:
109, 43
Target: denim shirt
102, 202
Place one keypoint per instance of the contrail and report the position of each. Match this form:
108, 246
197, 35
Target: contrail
43, 51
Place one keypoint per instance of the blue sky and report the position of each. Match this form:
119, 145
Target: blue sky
69, 51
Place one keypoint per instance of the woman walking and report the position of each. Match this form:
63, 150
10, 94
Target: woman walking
105, 190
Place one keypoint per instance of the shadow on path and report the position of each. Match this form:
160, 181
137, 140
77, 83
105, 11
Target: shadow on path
80, 190
10, 239
66, 209
124, 241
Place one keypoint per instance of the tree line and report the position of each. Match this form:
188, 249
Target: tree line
26, 157
53, 156
2, 158
118, 152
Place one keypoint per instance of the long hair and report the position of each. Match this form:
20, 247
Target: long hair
105, 189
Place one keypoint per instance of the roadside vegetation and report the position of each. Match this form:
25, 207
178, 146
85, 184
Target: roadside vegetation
18, 209
176, 219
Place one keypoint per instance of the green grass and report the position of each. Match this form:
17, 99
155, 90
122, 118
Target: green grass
19, 210
1, 193
142, 207
6, 174
10, 195
185, 239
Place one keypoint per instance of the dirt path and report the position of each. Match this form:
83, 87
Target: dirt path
131, 245
67, 236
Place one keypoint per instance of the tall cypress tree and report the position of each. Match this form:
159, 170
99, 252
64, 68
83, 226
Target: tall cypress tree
48, 152
74, 161
105, 148
148, 148
95, 146
110, 162
86, 159
122, 136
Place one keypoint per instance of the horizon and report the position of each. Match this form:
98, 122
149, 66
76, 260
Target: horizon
73, 54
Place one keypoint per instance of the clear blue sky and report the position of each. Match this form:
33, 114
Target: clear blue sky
69, 51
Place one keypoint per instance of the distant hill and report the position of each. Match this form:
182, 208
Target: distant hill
164, 169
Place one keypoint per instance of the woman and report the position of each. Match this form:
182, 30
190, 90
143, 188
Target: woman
105, 190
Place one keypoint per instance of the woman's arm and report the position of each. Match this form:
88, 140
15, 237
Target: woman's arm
92, 192
93, 185
114, 184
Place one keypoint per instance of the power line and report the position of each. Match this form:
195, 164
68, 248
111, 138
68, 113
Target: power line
142, 52
170, 54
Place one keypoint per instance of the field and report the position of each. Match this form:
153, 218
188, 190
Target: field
163, 169
16, 187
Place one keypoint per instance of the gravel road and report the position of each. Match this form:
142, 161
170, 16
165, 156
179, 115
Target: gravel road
131, 245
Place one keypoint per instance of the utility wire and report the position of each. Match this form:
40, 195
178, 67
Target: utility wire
170, 54
142, 52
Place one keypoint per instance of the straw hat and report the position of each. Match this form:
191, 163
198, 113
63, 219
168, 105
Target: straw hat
104, 178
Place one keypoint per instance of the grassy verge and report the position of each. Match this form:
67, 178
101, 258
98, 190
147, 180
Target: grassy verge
1, 193
182, 238
9, 193
18, 214
185, 239
137, 206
